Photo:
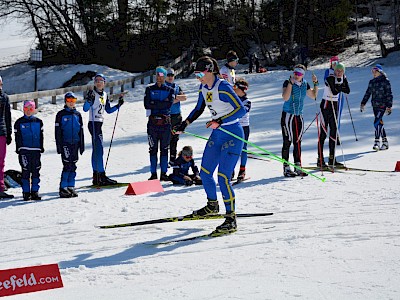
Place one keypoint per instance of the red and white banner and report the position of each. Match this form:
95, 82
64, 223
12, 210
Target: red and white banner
29, 279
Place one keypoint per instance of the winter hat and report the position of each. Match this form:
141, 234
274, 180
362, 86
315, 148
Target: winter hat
231, 56
334, 58
340, 66
29, 103
378, 68
160, 71
170, 71
100, 76
69, 95
187, 151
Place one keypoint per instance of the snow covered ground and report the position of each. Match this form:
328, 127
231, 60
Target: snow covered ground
338, 239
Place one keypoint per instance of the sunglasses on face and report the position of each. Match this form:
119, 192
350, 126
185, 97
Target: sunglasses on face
199, 74
29, 108
187, 156
298, 74
71, 100
170, 75
241, 87
99, 80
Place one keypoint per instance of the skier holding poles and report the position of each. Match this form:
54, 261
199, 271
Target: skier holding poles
222, 150
96, 102
294, 91
335, 85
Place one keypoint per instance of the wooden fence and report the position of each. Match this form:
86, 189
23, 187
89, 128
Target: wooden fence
178, 63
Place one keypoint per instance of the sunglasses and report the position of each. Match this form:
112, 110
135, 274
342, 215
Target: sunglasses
199, 74
188, 156
73, 100
29, 108
241, 87
99, 80
298, 74
170, 75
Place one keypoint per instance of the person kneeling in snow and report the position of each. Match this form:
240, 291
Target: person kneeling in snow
183, 163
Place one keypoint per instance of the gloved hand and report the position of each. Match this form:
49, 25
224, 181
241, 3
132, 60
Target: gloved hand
181, 127
9, 139
388, 111
362, 107
214, 124
120, 101
189, 182
90, 97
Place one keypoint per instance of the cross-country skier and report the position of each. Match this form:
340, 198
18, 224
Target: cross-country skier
222, 149
335, 85
227, 72
96, 103
382, 100
240, 88
294, 91
69, 141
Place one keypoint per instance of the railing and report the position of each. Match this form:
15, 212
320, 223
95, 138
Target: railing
179, 61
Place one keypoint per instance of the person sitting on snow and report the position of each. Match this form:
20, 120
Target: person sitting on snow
183, 163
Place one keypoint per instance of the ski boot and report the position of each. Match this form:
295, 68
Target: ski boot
228, 226
287, 172
385, 144
96, 178
26, 196
35, 196
104, 180
376, 145
153, 176
333, 163
164, 177
64, 193
211, 208
242, 174
72, 192
4, 195
299, 172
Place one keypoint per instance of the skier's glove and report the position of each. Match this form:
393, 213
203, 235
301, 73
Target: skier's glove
181, 127
362, 107
120, 101
388, 110
214, 124
90, 97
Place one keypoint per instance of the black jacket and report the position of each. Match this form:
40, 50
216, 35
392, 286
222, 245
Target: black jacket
5, 115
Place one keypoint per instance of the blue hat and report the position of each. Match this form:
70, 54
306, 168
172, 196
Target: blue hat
160, 70
101, 76
378, 68
69, 95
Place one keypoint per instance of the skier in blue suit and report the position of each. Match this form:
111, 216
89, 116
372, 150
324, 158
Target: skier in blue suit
222, 149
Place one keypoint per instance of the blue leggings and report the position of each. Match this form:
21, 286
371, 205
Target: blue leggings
221, 150
97, 145
378, 122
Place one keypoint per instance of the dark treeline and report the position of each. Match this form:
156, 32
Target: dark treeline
140, 34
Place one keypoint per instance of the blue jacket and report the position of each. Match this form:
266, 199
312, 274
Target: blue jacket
381, 91
159, 99
295, 103
29, 134
69, 129
5, 115
181, 167
176, 107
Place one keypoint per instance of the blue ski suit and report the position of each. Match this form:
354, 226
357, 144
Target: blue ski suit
222, 149
69, 141
29, 146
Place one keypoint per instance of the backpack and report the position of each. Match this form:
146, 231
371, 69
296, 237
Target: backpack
12, 178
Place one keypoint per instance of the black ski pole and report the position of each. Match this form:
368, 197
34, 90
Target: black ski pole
351, 118
112, 137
